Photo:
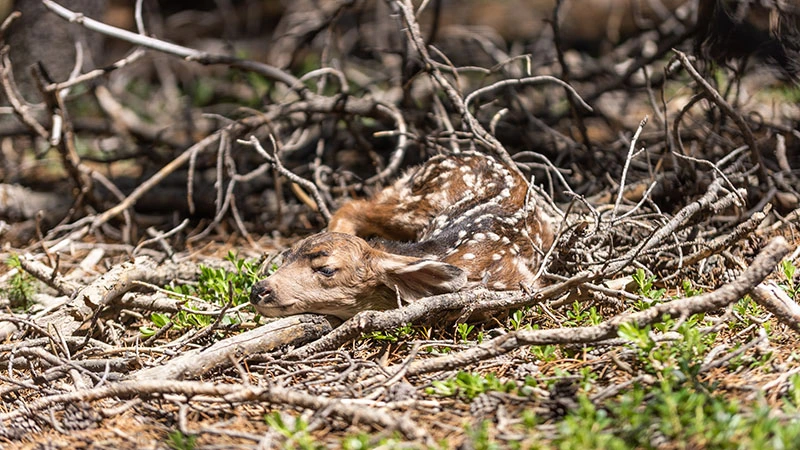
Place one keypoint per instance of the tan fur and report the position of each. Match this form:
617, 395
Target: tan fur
466, 223
363, 278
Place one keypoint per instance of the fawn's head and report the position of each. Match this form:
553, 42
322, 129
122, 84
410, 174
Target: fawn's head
340, 275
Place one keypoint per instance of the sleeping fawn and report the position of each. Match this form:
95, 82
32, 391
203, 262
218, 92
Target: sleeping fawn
455, 222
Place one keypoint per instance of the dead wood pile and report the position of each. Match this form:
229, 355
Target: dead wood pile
656, 163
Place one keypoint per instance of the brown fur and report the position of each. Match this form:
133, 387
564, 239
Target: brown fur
468, 224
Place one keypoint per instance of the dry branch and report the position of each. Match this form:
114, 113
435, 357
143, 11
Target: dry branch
776, 301
172, 166
49, 276
105, 290
230, 393
725, 241
293, 330
190, 54
715, 96
702, 204
276, 161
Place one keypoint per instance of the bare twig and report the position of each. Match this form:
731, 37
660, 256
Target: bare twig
715, 97
184, 52
323, 208
625, 167
776, 301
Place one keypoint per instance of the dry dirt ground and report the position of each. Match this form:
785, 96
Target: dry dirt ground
135, 214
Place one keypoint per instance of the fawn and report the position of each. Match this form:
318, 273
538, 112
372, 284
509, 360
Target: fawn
454, 222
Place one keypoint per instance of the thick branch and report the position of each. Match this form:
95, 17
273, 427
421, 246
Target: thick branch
193, 364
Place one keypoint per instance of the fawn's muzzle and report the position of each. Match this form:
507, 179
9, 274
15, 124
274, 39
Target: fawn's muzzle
261, 294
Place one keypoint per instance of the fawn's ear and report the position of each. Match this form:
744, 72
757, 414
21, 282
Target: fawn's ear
416, 278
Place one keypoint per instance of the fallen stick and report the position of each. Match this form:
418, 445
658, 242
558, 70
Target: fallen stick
105, 290
292, 330
772, 298
232, 393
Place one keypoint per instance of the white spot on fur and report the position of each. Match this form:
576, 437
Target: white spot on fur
469, 256
448, 164
461, 234
496, 257
498, 285
479, 236
493, 236
505, 240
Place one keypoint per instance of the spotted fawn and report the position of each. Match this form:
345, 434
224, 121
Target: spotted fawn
455, 222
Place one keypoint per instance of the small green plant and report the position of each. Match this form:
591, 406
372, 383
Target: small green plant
788, 269
295, 430
588, 427
689, 290
793, 395
158, 320
179, 441
692, 414
745, 310
545, 353
530, 419
646, 287
480, 438
577, 316
182, 320
639, 337
400, 333
21, 286
363, 441
469, 385
677, 360
463, 330
216, 286
517, 320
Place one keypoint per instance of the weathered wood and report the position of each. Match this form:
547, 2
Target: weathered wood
293, 330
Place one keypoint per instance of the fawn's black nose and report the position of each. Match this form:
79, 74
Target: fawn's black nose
261, 293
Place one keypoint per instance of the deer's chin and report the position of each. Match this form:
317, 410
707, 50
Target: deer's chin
282, 307
274, 310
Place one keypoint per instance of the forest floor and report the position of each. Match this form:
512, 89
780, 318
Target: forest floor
136, 213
